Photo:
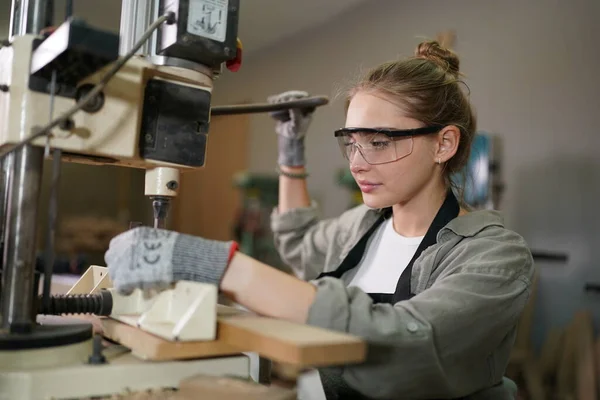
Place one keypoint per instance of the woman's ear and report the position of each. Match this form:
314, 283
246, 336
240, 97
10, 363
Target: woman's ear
447, 139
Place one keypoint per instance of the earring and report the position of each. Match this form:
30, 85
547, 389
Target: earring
439, 160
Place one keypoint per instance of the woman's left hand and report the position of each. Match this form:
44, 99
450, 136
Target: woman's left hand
149, 258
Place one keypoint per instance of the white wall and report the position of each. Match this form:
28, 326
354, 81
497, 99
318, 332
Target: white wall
532, 69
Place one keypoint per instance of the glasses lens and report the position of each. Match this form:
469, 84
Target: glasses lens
375, 148
346, 144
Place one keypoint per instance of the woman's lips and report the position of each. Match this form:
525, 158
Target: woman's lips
367, 187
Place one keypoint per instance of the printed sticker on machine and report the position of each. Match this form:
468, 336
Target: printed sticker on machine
208, 18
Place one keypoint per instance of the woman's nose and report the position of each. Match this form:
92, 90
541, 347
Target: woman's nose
358, 162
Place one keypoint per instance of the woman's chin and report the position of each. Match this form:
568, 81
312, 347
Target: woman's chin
375, 202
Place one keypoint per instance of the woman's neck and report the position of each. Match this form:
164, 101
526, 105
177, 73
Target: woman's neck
414, 217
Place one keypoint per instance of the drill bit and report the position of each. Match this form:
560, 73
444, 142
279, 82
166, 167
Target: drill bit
160, 205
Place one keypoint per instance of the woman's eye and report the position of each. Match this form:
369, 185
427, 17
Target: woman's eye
380, 145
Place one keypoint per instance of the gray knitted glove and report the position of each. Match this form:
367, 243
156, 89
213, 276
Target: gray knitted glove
291, 128
149, 258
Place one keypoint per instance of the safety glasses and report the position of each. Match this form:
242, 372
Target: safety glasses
379, 145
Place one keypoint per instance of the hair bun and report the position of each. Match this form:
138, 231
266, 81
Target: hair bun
445, 58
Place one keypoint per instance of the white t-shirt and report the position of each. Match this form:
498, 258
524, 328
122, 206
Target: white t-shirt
386, 257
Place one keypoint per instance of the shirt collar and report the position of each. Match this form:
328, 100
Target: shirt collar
472, 223
467, 225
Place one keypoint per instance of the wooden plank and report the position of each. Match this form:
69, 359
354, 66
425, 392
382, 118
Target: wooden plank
152, 395
565, 374
228, 388
576, 376
291, 343
282, 341
585, 365
551, 354
597, 357
149, 347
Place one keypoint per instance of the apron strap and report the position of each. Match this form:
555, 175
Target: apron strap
447, 212
355, 255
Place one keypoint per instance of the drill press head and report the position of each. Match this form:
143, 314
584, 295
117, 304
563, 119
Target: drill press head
153, 114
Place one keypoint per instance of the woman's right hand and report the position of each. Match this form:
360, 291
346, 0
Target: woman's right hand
291, 127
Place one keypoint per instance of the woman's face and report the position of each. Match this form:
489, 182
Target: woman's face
395, 182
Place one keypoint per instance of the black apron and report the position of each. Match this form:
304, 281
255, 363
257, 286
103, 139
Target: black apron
334, 386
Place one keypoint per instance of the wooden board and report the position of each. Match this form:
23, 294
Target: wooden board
228, 388
282, 341
214, 387
286, 342
585, 363
149, 347
576, 374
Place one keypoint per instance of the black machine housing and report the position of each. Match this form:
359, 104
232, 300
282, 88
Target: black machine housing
74, 51
175, 122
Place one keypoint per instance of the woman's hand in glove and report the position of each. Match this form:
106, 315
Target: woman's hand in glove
149, 258
291, 128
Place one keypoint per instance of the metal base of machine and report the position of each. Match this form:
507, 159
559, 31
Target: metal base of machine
122, 374
50, 358
53, 343
45, 336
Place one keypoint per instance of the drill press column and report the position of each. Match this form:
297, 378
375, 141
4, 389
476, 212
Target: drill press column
22, 176
20, 234
161, 185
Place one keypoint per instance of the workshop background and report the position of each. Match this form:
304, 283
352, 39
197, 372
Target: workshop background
532, 68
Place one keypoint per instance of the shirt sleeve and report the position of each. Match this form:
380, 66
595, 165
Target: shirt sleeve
302, 239
445, 342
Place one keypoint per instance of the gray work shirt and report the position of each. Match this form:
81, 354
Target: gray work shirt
453, 338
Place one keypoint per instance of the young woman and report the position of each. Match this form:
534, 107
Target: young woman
435, 290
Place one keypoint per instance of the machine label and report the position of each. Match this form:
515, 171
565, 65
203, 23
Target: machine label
208, 18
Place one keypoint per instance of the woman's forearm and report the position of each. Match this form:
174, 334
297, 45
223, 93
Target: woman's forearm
266, 290
293, 192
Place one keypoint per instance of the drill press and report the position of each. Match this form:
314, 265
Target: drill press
141, 99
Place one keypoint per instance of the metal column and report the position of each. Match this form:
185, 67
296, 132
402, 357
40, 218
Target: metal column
136, 16
5, 176
30, 16
20, 235
6, 166
22, 179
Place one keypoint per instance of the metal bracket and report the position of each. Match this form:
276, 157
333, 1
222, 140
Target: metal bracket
185, 312
93, 280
